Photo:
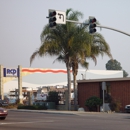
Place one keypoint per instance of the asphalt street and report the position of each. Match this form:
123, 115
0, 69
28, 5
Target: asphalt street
38, 120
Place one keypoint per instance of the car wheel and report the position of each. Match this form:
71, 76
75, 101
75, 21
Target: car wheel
3, 118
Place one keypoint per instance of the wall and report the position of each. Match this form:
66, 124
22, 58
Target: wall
121, 91
86, 90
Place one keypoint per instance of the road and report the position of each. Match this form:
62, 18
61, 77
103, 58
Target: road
43, 121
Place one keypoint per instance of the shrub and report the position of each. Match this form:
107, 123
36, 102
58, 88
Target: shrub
115, 105
53, 97
32, 107
93, 102
11, 106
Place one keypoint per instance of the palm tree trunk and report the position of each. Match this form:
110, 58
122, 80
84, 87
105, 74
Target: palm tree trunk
69, 86
75, 92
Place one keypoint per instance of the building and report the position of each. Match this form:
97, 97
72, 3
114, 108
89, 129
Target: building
39, 77
117, 88
16, 78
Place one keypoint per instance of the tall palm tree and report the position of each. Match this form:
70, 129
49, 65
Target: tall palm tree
72, 44
58, 42
86, 46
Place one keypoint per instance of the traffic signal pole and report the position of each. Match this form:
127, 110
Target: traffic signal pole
101, 26
59, 17
113, 29
76, 22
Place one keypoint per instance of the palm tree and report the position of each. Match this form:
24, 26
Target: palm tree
72, 44
86, 46
58, 42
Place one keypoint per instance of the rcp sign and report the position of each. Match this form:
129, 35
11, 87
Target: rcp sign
11, 72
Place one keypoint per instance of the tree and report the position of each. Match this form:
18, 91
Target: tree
72, 44
115, 65
58, 42
94, 46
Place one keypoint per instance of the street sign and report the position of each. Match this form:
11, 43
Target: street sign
60, 16
103, 85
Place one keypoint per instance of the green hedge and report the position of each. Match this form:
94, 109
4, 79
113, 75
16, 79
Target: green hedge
93, 102
32, 107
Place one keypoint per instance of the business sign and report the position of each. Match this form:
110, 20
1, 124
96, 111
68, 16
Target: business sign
11, 72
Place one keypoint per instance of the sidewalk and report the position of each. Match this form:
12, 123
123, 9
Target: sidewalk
55, 111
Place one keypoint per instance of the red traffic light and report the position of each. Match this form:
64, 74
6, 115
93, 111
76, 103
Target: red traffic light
51, 14
93, 20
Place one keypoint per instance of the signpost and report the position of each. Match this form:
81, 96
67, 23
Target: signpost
103, 88
61, 19
56, 17
11, 72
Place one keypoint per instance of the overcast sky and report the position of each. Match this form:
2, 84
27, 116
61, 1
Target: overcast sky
22, 21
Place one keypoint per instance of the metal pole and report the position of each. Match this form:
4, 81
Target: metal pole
20, 97
101, 26
1, 83
113, 29
103, 100
77, 22
103, 88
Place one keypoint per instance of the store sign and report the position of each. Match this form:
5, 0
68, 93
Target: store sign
11, 72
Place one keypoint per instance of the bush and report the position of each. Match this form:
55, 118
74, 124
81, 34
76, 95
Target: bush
11, 106
32, 107
115, 105
53, 97
93, 102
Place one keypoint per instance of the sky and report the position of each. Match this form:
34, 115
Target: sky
22, 21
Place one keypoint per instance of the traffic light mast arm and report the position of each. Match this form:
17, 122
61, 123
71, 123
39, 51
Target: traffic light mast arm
77, 22
99, 26
113, 29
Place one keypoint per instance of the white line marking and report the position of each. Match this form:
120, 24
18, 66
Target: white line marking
25, 122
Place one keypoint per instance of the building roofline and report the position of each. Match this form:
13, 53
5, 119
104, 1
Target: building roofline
103, 80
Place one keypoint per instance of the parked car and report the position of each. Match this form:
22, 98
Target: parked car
3, 103
127, 108
3, 113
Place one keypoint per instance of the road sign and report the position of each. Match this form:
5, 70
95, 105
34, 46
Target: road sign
60, 16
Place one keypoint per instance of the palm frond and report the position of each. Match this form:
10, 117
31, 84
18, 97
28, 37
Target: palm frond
36, 53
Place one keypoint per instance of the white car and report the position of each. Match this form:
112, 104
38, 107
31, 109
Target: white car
127, 108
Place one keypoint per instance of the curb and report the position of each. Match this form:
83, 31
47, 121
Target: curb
41, 111
55, 112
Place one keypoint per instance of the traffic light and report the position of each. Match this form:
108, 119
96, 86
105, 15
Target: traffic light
52, 18
92, 25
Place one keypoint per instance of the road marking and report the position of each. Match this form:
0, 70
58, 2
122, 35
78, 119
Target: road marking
11, 123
